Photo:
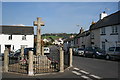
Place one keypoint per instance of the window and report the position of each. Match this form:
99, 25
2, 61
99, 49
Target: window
103, 31
24, 46
103, 45
114, 30
24, 37
10, 37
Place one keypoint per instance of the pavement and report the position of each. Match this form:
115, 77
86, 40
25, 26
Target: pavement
67, 74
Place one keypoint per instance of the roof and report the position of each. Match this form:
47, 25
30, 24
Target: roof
85, 33
68, 39
113, 19
17, 30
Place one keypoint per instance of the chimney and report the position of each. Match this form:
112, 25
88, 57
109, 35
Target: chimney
81, 30
103, 14
93, 22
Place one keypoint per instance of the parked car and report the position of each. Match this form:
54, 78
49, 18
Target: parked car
75, 50
2, 56
80, 52
94, 52
113, 53
18, 52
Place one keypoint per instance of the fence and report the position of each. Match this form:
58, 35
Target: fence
18, 65
34, 64
42, 64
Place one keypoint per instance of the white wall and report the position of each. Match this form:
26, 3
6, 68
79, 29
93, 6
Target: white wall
16, 41
112, 39
96, 39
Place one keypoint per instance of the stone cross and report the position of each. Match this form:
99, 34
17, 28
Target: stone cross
38, 23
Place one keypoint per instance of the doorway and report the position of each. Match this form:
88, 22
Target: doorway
9, 47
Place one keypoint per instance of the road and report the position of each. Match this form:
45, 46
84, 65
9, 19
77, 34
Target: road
83, 69
91, 67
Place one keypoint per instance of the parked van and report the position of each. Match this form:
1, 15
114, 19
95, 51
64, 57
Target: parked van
46, 50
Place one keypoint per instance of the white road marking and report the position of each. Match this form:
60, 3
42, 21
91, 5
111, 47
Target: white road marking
76, 69
85, 77
76, 73
97, 77
84, 72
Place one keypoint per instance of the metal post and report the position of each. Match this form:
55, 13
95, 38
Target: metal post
30, 66
22, 53
6, 60
70, 64
61, 60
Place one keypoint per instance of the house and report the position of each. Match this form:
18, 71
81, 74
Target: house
106, 32
84, 39
69, 42
77, 40
45, 40
13, 37
58, 41
81, 40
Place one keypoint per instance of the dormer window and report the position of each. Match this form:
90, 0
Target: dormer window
24, 37
10, 37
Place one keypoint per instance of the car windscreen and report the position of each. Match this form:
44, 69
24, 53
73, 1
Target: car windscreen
99, 49
46, 49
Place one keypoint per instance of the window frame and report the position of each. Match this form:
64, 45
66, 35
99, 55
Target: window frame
103, 31
10, 37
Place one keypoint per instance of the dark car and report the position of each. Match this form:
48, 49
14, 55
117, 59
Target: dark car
2, 56
94, 52
113, 53
26, 50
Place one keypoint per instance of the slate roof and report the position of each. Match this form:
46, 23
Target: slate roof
109, 20
85, 33
16, 30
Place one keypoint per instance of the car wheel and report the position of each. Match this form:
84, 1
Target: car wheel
84, 55
94, 56
108, 57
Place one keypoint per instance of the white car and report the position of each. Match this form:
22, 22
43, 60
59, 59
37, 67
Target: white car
46, 50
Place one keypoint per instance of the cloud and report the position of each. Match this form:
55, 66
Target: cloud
18, 25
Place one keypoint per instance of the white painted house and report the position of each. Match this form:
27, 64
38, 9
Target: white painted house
13, 37
58, 41
106, 32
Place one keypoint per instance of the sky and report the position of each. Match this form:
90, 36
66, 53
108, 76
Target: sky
59, 17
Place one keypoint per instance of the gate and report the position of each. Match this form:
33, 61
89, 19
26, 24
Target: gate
18, 65
45, 64
66, 59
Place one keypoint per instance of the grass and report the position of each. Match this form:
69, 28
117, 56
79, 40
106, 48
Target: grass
53, 37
